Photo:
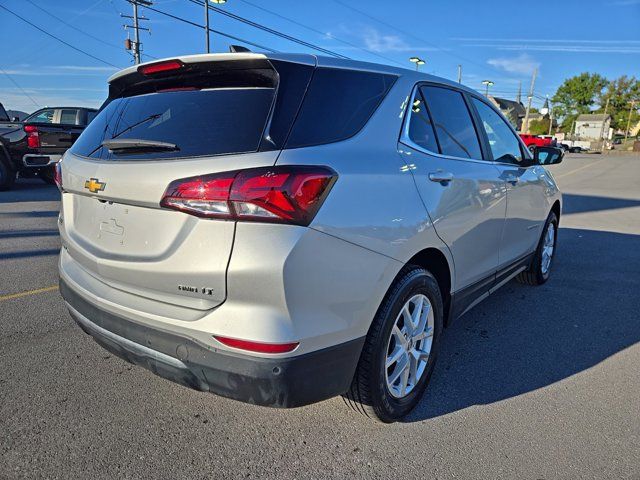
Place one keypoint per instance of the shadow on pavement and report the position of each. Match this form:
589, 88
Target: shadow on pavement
29, 253
30, 190
525, 338
588, 203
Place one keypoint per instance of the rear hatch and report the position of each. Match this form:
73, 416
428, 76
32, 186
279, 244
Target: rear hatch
191, 117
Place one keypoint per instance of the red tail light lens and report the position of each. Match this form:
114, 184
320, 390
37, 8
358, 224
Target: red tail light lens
160, 67
280, 194
57, 174
33, 138
257, 346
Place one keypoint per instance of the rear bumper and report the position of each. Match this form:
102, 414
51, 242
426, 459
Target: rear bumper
273, 382
33, 160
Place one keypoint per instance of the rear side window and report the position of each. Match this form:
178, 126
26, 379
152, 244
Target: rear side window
452, 120
420, 126
68, 117
199, 122
337, 105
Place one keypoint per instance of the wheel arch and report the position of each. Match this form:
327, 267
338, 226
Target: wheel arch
555, 208
437, 263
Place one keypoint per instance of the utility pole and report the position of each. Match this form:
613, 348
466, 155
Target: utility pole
550, 117
526, 115
606, 109
626, 132
136, 44
459, 73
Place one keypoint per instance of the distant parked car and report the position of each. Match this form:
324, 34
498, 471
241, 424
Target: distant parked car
533, 141
30, 148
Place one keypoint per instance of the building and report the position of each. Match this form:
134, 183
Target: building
593, 126
514, 111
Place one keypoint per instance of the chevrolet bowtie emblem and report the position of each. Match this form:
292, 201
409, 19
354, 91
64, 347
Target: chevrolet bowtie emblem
94, 185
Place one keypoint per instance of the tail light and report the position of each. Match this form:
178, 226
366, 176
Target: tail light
33, 138
259, 347
160, 67
57, 174
280, 194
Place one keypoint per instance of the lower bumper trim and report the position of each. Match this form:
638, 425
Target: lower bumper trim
273, 382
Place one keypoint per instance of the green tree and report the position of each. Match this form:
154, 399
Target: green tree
539, 127
577, 95
620, 93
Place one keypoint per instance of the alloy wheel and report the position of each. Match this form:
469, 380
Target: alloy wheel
409, 346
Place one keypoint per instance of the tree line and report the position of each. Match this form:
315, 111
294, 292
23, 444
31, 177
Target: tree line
580, 94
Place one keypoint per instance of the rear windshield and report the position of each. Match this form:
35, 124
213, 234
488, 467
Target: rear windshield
199, 122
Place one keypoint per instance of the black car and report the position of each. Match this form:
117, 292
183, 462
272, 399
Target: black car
30, 149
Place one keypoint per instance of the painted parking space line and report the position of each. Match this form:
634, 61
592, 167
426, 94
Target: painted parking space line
581, 168
11, 296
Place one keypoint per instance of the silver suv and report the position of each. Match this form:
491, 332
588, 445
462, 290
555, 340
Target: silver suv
281, 229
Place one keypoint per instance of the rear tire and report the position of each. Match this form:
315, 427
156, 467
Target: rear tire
375, 391
540, 269
7, 175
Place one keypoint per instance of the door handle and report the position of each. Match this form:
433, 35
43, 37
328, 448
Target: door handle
441, 177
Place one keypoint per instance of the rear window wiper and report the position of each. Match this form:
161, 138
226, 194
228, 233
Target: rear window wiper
134, 145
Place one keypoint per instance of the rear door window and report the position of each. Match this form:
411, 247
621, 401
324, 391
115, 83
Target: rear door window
452, 120
199, 122
337, 105
68, 116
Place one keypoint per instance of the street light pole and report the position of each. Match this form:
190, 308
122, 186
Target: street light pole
206, 21
487, 83
206, 26
418, 61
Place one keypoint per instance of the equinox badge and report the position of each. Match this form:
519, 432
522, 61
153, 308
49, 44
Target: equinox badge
94, 185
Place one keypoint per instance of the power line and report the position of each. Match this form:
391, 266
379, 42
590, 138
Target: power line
409, 34
57, 38
98, 39
311, 29
20, 88
270, 30
184, 20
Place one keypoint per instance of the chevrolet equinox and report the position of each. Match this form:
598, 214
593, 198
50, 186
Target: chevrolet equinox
280, 229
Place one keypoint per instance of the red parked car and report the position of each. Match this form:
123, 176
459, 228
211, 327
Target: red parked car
533, 141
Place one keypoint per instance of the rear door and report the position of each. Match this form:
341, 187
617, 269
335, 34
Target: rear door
463, 193
218, 115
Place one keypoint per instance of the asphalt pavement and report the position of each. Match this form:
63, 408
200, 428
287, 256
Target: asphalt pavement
533, 383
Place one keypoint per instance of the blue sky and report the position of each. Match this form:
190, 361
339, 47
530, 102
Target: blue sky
502, 41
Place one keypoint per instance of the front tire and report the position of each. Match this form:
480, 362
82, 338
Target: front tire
540, 269
401, 348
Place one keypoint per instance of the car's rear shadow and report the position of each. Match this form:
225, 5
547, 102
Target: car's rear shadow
525, 338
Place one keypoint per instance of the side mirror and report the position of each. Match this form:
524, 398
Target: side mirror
548, 155
15, 119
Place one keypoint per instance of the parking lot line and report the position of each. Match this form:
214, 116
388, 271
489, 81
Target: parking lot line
581, 168
28, 292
